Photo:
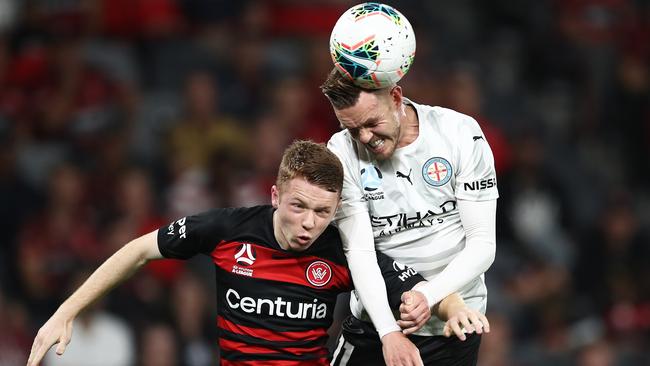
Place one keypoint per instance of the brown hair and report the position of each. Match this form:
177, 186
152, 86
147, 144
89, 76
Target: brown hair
341, 91
312, 161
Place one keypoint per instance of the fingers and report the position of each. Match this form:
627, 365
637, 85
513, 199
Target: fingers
466, 322
476, 323
486, 323
63, 343
457, 330
48, 336
411, 326
38, 351
407, 298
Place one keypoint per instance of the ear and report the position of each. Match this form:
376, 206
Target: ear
275, 196
396, 96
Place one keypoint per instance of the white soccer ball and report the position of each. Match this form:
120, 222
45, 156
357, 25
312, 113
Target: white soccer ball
373, 45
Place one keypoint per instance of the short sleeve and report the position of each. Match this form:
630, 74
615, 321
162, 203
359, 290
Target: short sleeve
352, 198
476, 179
192, 235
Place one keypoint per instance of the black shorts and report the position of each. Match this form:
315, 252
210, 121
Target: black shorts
359, 344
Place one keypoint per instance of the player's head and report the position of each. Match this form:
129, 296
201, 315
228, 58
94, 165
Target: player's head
373, 116
306, 194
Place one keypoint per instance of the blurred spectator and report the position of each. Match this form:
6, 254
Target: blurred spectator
613, 269
464, 94
191, 316
116, 116
98, 338
56, 240
203, 129
14, 333
159, 346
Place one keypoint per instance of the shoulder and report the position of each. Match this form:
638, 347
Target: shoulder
342, 144
234, 217
449, 121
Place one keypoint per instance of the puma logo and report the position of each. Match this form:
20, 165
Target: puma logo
477, 138
402, 175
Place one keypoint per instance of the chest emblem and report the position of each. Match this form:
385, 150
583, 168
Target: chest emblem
319, 273
436, 171
371, 178
245, 255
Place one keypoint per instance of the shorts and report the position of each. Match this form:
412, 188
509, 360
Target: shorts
359, 344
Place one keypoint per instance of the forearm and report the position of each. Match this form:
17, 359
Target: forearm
447, 306
114, 270
478, 220
366, 275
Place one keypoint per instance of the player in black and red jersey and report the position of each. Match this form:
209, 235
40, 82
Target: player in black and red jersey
279, 268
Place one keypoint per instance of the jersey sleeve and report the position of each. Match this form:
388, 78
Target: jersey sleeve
352, 199
192, 235
476, 179
398, 277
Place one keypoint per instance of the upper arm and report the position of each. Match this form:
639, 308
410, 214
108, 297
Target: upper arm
191, 235
356, 233
352, 197
476, 178
147, 246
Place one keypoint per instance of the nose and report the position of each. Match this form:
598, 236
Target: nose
308, 220
364, 135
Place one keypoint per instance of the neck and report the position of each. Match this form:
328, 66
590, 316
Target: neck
410, 126
277, 232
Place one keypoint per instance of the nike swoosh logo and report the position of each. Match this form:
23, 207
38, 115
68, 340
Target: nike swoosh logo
477, 138
368, 64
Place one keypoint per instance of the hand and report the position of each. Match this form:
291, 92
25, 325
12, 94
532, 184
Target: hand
58, 329
465, 320
414, 311
400, 351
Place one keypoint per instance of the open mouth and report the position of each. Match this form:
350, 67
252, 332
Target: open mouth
376, 144
304, 239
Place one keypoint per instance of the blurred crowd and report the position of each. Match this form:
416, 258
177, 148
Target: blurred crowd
117, 116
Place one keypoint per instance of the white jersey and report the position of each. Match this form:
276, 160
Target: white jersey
412, 197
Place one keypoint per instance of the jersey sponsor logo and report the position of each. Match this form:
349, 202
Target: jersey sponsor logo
371, 178
181, 230
480, 185
436, 171
318, 273
404, 271
278, 307
391, 224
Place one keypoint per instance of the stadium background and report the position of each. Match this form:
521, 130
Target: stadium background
119, 115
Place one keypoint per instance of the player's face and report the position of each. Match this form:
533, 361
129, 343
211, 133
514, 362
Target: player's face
303, 212
375, 121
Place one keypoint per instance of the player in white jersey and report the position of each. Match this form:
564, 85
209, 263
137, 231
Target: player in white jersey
420, 185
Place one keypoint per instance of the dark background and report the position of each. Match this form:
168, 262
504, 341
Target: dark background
117, 116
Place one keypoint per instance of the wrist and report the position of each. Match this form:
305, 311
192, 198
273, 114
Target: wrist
392, 335
387, 330
67, 311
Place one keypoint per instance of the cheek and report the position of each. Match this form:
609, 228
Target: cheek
323, 223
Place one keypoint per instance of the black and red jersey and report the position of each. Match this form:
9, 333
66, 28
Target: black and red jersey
273, 306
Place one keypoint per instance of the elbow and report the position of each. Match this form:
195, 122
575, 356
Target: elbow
489, 256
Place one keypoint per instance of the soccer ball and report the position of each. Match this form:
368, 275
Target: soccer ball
373, 45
